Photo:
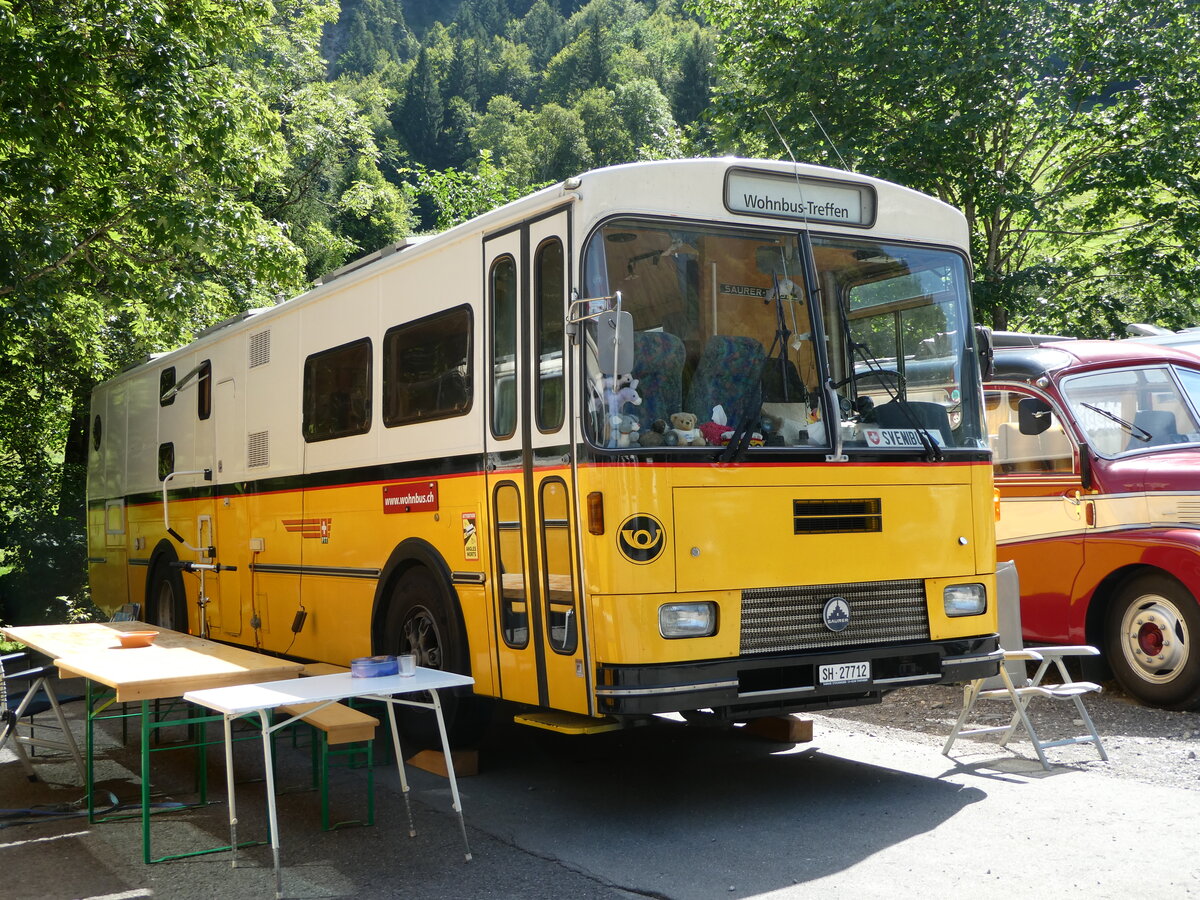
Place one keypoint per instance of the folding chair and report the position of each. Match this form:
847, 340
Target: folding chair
1013, 684
26, 734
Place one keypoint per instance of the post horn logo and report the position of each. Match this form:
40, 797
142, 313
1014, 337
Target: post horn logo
641, 538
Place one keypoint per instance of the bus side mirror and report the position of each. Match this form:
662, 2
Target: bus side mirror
987, 351
614, 342
1033, 415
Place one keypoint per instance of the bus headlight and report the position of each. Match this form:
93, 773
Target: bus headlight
684, 620
964, 599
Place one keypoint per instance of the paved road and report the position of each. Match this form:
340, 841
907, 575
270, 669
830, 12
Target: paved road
666, 811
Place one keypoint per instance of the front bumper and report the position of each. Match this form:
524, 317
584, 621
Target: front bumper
753, 686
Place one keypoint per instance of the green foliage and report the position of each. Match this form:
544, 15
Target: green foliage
151, 154
1067, 132
459, 195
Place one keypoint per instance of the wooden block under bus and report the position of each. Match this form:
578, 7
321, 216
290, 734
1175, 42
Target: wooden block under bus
784, 729
466, 762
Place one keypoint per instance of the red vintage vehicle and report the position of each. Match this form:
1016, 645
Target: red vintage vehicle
1096, 448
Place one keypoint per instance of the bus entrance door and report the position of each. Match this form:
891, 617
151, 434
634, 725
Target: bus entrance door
539, 641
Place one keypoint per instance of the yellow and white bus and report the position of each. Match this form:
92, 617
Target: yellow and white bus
664, 437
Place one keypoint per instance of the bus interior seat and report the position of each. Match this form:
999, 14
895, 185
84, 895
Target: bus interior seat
1016, 452
781, 382
728, 375
658, 367
930, 416
1057, 450
1161, 425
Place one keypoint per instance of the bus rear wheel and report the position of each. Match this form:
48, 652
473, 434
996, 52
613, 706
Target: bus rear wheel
166, 600
1153, 642
423, 620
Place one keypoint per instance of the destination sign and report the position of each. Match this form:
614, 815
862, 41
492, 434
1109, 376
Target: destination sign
783, 196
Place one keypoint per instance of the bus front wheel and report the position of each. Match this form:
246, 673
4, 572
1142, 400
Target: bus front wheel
423, 620
166, 600
1153, 642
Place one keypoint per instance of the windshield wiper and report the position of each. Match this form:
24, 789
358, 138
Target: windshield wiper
1136, 431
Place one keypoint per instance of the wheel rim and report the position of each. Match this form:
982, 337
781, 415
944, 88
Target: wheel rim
420, 637
1155, 639
165, 606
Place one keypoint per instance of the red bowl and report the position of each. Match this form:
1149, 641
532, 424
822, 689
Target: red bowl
137, 638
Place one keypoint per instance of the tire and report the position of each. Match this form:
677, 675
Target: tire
1152, 641
423, 620
166, 600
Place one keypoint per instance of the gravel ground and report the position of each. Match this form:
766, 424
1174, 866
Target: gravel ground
1154, 746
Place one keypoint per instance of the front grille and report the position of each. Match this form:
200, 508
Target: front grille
837, 516
789, 618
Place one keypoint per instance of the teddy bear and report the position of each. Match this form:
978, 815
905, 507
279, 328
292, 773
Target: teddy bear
656, 435
683, 426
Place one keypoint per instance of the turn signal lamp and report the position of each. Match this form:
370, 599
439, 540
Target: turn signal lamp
996, 502
964, 599
684, 620
595, 512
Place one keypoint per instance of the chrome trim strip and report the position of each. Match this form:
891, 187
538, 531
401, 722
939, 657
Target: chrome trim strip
775, 691
96, 559
468, 578
670, 689
907, 679
329, 571
993, 656
139, 562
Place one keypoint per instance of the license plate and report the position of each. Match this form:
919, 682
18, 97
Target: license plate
844, 673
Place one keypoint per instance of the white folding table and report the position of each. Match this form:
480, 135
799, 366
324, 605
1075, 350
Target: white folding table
250, 699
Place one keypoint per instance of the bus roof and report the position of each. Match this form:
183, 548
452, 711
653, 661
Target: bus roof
687, 189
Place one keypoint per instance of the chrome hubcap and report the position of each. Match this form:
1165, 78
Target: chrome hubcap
1155, 639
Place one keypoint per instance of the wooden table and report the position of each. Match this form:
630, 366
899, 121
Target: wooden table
174, 664
260, 699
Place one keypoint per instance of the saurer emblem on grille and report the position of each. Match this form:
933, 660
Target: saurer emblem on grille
836, 614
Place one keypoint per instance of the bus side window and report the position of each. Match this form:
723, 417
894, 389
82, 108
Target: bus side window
427, 368
204, 390
337, 392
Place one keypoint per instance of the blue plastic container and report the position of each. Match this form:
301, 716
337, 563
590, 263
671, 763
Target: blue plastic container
373, 666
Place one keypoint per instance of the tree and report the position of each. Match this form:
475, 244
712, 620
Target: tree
1068, 133
419, 119
459, 195
136, 140
368, 36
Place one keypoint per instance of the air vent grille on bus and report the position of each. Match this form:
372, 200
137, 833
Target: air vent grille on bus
258, 450
260, 348
837, 516
790, 618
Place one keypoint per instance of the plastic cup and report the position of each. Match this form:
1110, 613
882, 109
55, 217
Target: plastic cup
408, 664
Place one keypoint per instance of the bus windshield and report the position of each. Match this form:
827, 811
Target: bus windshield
1134, 409
724, 350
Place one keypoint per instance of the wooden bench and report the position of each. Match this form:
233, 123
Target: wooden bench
336, 724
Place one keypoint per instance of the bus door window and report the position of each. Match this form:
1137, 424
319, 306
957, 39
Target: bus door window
549, 278
505, 323
510, 560
558, 585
